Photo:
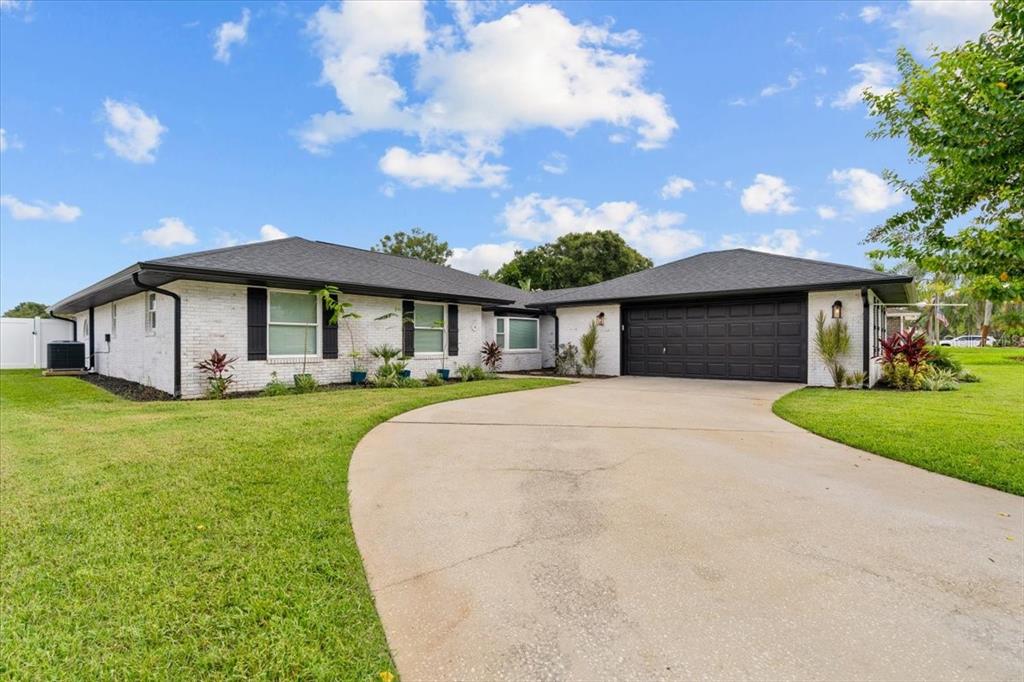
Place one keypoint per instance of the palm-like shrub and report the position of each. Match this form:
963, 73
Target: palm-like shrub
832, 341
491, 355
588, 348
905, 360
216, 368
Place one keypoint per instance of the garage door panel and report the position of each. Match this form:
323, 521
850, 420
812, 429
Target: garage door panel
755, 338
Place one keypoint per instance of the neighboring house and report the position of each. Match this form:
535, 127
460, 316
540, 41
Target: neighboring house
735, 314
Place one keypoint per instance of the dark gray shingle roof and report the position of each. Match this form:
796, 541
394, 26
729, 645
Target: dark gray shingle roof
317, 261
734, 270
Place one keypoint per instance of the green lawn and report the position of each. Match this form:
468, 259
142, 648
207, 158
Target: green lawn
976, 433
191, 539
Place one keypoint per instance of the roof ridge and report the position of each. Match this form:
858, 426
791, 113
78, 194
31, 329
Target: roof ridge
807, 260
220, 249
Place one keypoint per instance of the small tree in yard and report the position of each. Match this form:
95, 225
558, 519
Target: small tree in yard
832, 342
588, 348
491, 355
216, 368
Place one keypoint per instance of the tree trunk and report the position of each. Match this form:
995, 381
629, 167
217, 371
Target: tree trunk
986, 324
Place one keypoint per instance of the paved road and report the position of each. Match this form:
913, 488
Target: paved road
650, 529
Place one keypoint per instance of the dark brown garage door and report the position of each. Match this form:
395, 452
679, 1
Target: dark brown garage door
762, 339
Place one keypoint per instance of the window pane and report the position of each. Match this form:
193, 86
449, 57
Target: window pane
428, 341
429, 315
500, 340
522, 334
287, 340
292, 307
501, 325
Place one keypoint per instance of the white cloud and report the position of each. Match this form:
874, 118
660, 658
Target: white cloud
792, 81
231, 33
269, 233
476, 82
827, 212
870, 13
941, 23
40, 210
876, 77
172, 231
865, 191
780, 242
133, 135
657, 234
768, 194
556, 163
483, 257
9, 141
442, 169
388, 190
675, 186
618, 138
739, 102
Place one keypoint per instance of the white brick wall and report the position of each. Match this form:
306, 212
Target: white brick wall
547, 341
214, 316
853, 316
133, 354
574, 322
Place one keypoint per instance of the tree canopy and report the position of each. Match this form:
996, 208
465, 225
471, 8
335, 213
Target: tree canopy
573, 260
415, 244
28, 309
963, 119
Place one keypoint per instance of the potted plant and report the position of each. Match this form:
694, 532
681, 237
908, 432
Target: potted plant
358, 373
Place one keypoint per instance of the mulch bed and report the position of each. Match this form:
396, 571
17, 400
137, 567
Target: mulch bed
129, 390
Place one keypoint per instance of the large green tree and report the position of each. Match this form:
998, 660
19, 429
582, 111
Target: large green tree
963, 119
28, 309
573, 260
415, 244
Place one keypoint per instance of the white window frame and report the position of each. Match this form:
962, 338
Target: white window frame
149, 312
508, 333
113, 320
319, 334
443, 328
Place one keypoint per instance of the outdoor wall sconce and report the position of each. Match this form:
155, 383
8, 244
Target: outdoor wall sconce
600, 319
837, 310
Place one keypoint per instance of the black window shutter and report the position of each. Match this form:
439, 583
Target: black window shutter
408, 330
330, 332
453, 329
257, 320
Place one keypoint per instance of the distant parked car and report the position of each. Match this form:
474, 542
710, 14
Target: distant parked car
968, 341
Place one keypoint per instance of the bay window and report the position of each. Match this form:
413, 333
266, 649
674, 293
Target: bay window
292, 323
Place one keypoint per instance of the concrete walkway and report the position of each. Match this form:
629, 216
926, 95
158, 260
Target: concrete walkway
651, 529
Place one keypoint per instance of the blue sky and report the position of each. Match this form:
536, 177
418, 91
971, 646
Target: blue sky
138, 130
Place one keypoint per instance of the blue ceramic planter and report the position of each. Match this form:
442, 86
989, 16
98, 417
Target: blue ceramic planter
358, 377
444, 373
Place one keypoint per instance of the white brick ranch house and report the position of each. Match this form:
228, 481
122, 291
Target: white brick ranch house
735, 314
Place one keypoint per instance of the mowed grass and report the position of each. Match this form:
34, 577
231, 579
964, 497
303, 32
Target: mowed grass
188, 540
975, 434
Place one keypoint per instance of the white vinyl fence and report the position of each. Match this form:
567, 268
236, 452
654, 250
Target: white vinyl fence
23, 340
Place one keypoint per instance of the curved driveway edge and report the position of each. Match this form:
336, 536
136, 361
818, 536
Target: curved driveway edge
642, 528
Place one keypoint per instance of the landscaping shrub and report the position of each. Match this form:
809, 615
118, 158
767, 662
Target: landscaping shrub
567, 360
433, 379
216, 368
905, 360
491, 355
966, 376
305, 383
832, 342
940, 380
941, 358
854, 379
471, 373
588, 348
275, 386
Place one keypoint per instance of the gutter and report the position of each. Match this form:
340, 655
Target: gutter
866, 324
74, 325
177, 329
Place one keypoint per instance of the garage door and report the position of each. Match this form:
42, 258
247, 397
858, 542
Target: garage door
760, 339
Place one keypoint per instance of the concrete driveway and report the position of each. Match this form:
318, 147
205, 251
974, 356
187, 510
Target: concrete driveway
641, 528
